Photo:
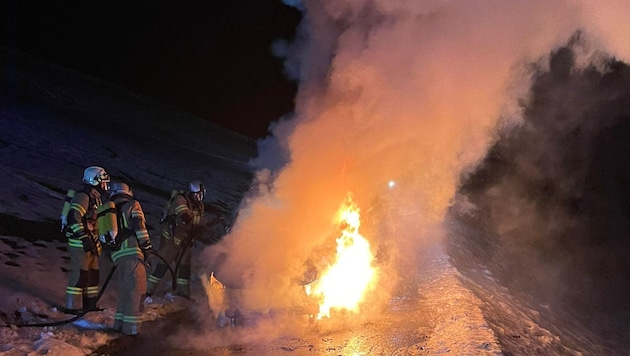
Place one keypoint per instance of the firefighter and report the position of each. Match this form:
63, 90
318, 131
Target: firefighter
83, 243
183, 221
130, 248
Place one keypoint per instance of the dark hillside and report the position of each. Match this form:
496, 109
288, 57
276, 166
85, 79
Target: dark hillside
552, 196
152, 146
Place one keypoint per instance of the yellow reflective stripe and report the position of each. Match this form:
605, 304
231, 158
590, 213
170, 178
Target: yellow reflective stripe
142, 235
126, 252
74, 290
79, 208
182, 281
137, 214
166, 234
92, 290
154, 279
180, 208
76, 227
125, 222
75, 243
132, 319
196, 219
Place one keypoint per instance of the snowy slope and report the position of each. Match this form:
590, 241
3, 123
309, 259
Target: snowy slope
55, 122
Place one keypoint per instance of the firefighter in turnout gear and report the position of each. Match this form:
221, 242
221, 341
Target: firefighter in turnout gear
183, 221
83, 243
130, 247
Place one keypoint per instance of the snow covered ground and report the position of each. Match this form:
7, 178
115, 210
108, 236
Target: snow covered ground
53, 124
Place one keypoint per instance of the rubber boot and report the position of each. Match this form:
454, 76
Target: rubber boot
70, 308
89, 304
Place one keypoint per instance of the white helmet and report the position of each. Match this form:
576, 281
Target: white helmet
94, 175
120, 188
196, 190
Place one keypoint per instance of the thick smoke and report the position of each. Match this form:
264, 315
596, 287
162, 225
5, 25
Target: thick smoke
551, 196
390, 90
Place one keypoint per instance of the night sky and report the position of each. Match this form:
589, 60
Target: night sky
209, 58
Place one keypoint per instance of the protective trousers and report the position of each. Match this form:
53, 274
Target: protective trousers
170, 251
83, 279
132, 287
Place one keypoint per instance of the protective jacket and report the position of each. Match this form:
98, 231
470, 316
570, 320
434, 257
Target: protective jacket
184, 222
128, 257
84, 248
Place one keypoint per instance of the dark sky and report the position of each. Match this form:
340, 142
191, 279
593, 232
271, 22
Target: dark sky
209, 58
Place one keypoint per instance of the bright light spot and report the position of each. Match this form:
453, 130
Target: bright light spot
391, 184
345, 282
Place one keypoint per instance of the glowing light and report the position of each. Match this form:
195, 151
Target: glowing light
344, 284
391, 184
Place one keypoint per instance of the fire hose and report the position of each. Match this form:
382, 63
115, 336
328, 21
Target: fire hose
98, 297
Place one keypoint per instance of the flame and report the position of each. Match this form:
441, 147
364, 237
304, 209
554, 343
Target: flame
344, 284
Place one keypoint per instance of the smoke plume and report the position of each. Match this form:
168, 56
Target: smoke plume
412, 92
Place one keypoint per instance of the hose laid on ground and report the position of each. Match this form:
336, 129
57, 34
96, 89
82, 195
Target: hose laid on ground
80, 315
98, 296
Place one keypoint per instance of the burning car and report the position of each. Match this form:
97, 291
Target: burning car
334, 277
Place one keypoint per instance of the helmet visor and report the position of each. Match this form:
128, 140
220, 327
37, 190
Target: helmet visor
197, 196
103, 177
103, 180
196, 191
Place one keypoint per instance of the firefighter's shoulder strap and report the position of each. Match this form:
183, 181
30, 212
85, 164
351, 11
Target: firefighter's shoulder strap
167, 207
122, 211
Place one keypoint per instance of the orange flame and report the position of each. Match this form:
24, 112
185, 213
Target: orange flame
344, 283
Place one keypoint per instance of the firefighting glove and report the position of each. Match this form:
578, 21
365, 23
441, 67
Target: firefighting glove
88, 244
146, 246
146, 249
